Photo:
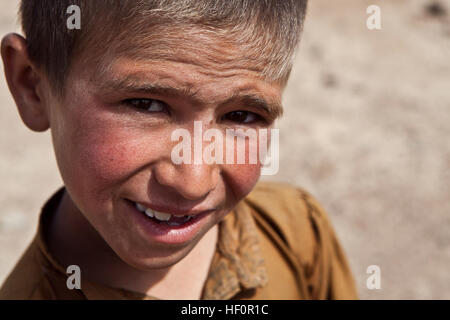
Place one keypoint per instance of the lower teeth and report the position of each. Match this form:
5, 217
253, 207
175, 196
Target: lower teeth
173, 224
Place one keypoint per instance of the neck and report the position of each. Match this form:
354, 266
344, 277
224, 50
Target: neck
99, 263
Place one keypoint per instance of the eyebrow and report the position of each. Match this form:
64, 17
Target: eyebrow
131, 84
273, 109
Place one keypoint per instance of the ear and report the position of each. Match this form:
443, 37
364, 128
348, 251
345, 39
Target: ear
23, 81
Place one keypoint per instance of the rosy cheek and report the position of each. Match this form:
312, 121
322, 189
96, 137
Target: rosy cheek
104, 154
109, 159
241, 177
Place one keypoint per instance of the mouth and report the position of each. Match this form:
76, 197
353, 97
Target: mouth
163, 217
177, 227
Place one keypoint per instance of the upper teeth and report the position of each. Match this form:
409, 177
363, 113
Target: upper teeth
161, 216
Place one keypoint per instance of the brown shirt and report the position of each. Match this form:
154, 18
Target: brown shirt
276, 244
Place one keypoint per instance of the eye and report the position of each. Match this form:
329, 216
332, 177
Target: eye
149, 105
242, 117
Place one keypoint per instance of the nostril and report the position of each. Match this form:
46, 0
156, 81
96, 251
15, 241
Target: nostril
192, 182
192, 189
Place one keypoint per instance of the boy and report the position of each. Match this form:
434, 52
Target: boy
131, 221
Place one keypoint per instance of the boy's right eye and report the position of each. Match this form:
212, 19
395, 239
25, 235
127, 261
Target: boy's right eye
149, 105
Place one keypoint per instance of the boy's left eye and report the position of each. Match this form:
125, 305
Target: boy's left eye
149, 105
157, 106
243, 117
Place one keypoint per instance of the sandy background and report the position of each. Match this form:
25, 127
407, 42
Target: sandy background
366, 130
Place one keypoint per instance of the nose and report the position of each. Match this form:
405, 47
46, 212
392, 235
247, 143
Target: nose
191, 181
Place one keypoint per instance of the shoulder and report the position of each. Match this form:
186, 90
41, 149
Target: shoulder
26, 280
294, 201
34, 278
293, 212
305, 229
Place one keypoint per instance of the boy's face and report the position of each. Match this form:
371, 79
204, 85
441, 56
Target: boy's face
112, 139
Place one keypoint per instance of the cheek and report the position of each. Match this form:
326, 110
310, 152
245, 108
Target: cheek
108, 156
241, 178
97, 155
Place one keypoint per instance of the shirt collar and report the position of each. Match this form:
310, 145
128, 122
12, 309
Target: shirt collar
238, 263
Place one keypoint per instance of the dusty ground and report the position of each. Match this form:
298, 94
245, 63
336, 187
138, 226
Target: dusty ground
365, 130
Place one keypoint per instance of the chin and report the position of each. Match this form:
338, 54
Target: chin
161, 259
156, 263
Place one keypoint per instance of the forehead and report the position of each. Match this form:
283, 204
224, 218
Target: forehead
185, 76
218, 50
204, 66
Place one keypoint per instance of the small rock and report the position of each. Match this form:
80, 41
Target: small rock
435, 9
329, 80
